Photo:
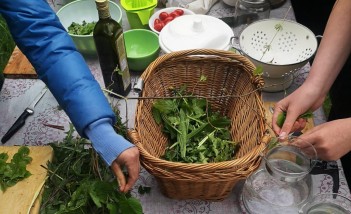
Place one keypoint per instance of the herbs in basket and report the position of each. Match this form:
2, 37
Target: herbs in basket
196, 134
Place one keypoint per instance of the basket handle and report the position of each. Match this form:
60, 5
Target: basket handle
134, 136
221, 53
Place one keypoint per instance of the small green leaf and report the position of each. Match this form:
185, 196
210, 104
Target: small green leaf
281, 119
203, 78
282, 116
278, 27
258, 71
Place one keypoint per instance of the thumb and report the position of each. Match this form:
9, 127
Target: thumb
288, 125
121, 179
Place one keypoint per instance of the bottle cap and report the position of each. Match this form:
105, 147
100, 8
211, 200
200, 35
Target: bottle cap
101, 4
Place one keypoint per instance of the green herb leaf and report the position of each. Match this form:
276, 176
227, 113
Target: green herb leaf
81, 29
197, 135
258, 71
16, 170
282, 116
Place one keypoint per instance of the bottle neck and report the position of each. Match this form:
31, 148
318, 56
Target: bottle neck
103, 9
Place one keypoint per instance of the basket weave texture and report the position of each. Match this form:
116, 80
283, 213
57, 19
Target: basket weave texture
231, 89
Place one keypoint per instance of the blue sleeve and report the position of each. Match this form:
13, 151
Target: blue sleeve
105, 140
39, 34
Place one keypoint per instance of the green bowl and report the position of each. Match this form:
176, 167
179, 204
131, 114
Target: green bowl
142, 48
85, 10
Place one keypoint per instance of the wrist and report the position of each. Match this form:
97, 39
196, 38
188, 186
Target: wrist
106, 142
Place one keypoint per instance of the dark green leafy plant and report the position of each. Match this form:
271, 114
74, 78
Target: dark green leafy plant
6, 46
79, 182
16, 170
197, 135
86, 28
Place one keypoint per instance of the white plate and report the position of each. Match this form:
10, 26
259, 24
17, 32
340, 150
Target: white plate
168, 10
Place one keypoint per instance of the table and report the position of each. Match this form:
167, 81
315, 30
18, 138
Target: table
17, 93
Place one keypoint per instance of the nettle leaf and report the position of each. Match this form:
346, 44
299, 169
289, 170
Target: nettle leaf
80, 197
156, 115
166, 106
15, 170
130, 206
100, 192
3, 157
113, 208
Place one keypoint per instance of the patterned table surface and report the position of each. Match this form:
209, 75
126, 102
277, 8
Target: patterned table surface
16, 94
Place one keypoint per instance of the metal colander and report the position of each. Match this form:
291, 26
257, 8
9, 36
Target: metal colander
279, 46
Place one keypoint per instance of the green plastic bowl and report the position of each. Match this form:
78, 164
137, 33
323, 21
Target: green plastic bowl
142, 48
85, 10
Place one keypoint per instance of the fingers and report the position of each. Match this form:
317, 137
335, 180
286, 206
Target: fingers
292, 121
121, 179
130, 159
133, 174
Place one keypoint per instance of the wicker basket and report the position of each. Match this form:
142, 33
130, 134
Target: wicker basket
227, 74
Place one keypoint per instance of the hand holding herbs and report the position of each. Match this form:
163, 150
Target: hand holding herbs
282, 116
197, 135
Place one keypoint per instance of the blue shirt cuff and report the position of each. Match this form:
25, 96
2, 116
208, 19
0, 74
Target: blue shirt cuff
106, 142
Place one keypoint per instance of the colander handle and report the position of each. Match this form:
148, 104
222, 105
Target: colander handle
233, 46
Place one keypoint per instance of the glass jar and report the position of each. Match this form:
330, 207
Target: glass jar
283, 181
248, 11
326, 203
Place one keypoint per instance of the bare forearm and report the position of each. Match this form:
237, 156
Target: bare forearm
334, 49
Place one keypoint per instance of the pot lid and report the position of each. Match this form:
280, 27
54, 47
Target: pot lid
195, 32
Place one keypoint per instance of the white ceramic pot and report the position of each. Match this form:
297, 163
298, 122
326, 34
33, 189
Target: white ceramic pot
195, 32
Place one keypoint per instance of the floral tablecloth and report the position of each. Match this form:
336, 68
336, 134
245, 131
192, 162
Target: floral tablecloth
16, 94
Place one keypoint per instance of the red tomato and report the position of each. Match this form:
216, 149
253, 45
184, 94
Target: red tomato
168, 19
174, 14
163, 15
159, 26
166, 22
156, 21
179, 11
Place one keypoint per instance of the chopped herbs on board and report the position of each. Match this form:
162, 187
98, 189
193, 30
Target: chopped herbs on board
197, 134
15, 170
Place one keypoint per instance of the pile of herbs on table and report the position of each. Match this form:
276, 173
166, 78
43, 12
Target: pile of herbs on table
196, 133
80, 182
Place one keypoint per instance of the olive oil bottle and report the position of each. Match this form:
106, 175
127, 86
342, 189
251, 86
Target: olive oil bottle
109, 42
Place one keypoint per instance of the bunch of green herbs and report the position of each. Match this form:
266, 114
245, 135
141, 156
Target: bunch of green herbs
15, 170
6, 45
197, 134
282, 116
80, 182
86, 28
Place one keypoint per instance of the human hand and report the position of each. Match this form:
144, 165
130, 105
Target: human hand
130, 159
300, 101
331, 140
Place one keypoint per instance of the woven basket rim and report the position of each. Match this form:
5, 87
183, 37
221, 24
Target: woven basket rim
251, 156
